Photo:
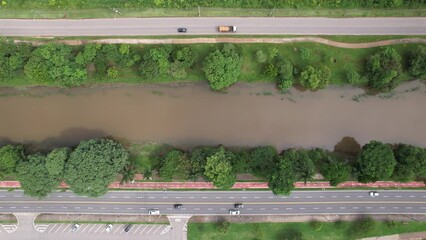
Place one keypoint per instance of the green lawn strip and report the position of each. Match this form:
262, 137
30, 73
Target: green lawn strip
96, 222
38, 11
329, 231
6, 222
338, 59
338, 38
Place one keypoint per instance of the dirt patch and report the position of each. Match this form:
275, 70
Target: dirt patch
8, 218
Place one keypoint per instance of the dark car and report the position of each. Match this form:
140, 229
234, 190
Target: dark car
238, 205
182, 30
128, 227
178, 206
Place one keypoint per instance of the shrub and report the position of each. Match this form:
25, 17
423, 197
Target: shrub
384, 70
305, 53
316, 225
353, 77
260, 56
112, 72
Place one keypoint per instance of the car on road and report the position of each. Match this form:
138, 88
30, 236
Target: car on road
234, 212
374, 194
128, 227
238, 205
75, 227
154, 212
182, 30
108, 228
178, 206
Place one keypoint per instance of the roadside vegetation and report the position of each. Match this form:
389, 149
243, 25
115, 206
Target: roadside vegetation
91, 166
312, 66
264, 8
341, 230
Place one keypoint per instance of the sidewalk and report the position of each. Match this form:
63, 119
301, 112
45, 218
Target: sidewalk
239, 185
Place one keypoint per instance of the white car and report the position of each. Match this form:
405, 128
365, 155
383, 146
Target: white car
154, 212
374, 194
75, 227
108, 228
234, 212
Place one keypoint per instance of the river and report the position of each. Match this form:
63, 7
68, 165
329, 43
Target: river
191, 115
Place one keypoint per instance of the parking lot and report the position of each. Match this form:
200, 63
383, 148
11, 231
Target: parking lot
88, 229
7, 228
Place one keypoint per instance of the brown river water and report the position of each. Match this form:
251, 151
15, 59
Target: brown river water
191, 115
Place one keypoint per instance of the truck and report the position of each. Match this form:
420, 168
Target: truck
227, 28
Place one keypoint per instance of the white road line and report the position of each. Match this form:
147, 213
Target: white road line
342, 207
398, 196
13, 207
321, 196
296, 197
385, 196
191, 197
334, 196
129, 208
289, 208
59, 196
355, 207
210, 209
26, 207
177, 197
203, 197
223, 209
144, 229
17, 196
71, 196
270, 197
113, 196
77, 207
98, 228
92, 228
283, 197
360, 196
52, 228
218, 197
103, 208
139, 197
262, 209
89, 207
64, 207
85, 228
382, 207
137, 229
412, 196
422, 207
256, 197
2, 196
231, 197
116, 208
59, 228
316, 208
275, 209
309, 197
302, 208
395, 207
38, 207
329, 208
157, 229
150, 229
165, 197
409, 208
249, 209
196, 209
65, 228
368, 207
122, 229
244, 197
347, 196
118, 228
126, 197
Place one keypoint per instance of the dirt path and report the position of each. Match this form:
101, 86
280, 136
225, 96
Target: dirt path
236, 40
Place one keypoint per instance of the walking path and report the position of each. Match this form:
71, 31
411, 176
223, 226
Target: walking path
240, 185
234, 40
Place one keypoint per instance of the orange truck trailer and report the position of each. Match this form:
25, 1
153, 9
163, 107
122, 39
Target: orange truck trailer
227, 28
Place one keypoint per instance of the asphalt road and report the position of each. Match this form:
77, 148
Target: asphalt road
216, 202
200, 26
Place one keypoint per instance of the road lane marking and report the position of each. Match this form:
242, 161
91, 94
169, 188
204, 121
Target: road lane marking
395, 207
262, 209
316, 208
408, 207
382, 207
329, 208
197, 209
191, 197
342, 207
244, 197
289, 208
203, 197
126, 197
355, 207
302, 208
249, 209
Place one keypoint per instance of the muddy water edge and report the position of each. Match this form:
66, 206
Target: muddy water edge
192, 115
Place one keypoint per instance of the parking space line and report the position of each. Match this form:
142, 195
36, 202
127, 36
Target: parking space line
137, 229
98, 228
52, 228
144, 229
85, 228
65, 228
150, 229
123, 229
59, 228
93, 227
118, 227
157, 229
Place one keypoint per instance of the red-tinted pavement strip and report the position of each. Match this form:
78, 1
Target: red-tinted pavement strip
239, 185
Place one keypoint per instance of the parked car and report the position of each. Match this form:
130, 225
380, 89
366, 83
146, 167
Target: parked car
182, 30
154, 212
128, 227
374, 194
238, 205
108, 228
178, 206
75, 227
234, 212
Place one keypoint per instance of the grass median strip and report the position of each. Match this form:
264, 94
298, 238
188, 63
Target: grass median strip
97, 222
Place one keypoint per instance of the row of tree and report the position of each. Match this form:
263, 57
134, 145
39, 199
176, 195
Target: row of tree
58, 64
88, 169
376, 161
94, 164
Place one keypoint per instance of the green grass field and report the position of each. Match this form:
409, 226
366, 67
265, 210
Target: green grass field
276, 231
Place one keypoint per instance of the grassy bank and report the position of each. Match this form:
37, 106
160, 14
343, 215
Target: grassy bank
328, 231
96, 222
105, 12
339, 60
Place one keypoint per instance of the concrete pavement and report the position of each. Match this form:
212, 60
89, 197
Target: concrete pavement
205, 26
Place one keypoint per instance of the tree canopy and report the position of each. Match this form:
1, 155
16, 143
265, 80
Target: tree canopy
384, 70
282, 178
13, 57
55, 162
9, 157
34, 176
285, 75
219, 170
418, 62
315, 78
54, 63
174, 165
375, 162
336, 171
222, 67
411, 163
263, 160
93, 165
